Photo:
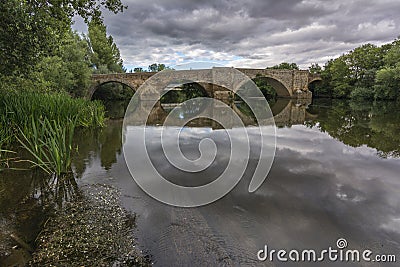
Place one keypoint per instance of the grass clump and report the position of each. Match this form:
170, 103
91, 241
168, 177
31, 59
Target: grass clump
50, 144
17, 108
44, 124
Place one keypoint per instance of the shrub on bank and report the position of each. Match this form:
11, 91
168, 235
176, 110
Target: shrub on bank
361, 93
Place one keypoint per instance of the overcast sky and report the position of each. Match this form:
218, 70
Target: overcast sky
248, 33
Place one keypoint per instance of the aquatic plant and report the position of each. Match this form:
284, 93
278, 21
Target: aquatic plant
44, 124
5, 138
18, 107
4, 158
50, 144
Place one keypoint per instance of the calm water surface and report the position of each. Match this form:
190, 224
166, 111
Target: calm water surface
336, 174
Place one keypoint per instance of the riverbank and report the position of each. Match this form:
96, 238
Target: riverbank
94, 230
91, 230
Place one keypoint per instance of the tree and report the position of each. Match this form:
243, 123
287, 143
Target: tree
363, 93
106, 58
69, 70
363, 58
340, 77
363, 63
105, 53
355, 74
392, 56
155, 67
28, 31
315, 68
31, 30
388, 83
285, 66
139, 69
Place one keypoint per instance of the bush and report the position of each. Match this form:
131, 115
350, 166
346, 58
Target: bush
388, 83
363, 93
341, 91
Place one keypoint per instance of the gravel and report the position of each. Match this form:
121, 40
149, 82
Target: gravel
93, 230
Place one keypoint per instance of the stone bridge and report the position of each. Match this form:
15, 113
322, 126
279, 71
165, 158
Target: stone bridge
287, 83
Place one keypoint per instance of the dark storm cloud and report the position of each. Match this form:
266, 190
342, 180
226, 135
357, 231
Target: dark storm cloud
253, 33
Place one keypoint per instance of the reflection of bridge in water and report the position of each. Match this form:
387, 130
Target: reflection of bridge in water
290, 112
286, 112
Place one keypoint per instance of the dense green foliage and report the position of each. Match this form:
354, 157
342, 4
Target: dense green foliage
67, 70
139, 69
31, 30
367, 72
28, 31
40, 52
106, 57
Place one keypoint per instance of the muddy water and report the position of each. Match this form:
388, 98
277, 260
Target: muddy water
335, 175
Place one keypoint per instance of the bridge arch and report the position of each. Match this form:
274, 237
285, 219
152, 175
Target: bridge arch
99, 84
313, 84
186, 90
279, 86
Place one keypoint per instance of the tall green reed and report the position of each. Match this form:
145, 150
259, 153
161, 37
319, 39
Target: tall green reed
44, 124
18, 107
50, 144
5, 139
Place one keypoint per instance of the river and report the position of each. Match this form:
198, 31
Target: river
335, 175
